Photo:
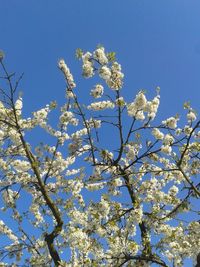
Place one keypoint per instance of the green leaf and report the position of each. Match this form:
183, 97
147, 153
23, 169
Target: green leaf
79, 53
2, 55
53, 105
111, 56
158, 90
186, 105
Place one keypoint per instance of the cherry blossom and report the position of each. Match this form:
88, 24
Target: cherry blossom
108, 185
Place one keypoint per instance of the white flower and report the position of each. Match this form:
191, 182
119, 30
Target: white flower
106, 155
136, 108
34, 208
187, 130
104, 206
168, 139
104, 73
68, 76
97, 92
166, 149
171, 122
178, 131
100, 56
93, 123
18, 106
152, 107
134, 112
95, 186
86, 57
68, 117
79, 239
21, 165
137, 214
140, 115
69, 93
41, 115
101, 105
157, 134
191, 116
88, 70
2, 109
7, 231
131, 150
1, 134
140, 100
173, 190
10, 197
131, 108
115, 81
79, 133
72, 172
120, 101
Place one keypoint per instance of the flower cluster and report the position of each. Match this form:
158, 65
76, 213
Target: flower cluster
157, 134
100, 56
41, 115
68, 76
97, 92
110, 73
131, 151
104, 188
101, 105
140, 105
191, 116
93, 123
18, 106
67, 117
171, 122
113, 76
5, 230
21, 165
9, 196
115, 80
88, 68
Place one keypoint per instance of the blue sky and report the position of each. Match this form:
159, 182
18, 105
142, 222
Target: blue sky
157, 42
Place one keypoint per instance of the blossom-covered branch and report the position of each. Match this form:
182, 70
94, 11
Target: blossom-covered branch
108, 186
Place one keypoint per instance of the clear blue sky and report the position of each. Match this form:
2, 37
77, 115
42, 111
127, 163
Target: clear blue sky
157, 42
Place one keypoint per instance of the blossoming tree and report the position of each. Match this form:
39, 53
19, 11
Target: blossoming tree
113, 187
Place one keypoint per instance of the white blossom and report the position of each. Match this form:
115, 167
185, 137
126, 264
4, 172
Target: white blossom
87, 68
100, 56
97, 92
152, 107
171, 122
105, 186
4, 229
166, 149
157, 134
21, 165
68, 76
115, 81
191, 116
105, 73
101, 105
18, 106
